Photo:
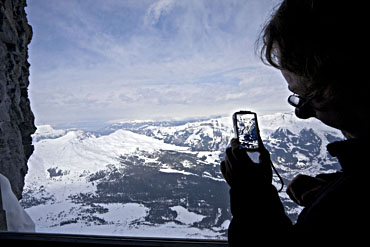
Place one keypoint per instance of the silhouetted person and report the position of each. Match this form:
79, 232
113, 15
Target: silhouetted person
319, 46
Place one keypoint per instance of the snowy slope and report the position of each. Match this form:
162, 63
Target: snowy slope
156, 178
78, 151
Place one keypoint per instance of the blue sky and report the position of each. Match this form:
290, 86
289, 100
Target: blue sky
100, 61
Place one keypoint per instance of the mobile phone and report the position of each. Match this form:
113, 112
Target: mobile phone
246, 130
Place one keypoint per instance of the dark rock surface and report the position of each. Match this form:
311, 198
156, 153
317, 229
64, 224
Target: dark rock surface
16, 117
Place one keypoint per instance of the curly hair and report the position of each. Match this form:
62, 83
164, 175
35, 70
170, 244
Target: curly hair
316, 39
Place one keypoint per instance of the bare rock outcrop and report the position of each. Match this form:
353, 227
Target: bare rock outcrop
16, 117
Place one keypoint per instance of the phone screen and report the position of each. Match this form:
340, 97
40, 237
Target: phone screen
247, 130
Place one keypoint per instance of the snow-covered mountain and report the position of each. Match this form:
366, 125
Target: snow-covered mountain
156, 178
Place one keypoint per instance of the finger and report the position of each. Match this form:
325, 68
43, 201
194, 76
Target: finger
223, 168
264, 155
234, 142
230, 156
239, 154
230, 162
260, 142
292, 195
225, 172
296, 188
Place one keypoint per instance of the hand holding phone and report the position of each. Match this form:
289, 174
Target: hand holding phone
238, 168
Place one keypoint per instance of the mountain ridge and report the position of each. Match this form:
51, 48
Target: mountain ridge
165, 173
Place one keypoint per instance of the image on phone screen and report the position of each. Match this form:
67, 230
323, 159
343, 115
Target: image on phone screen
247, 131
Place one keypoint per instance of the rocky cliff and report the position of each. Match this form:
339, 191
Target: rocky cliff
16, 117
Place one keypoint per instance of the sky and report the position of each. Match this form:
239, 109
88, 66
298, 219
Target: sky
95, 62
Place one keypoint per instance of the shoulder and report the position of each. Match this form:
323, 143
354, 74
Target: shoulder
340, 207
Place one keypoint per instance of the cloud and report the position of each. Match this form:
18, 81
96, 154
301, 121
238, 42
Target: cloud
157, 9
103, 60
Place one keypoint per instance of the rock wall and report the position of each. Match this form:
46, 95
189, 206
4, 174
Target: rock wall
16, 117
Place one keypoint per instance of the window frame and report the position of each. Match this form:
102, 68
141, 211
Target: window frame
45, 239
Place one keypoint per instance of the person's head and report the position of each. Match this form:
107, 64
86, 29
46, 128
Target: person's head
317, 47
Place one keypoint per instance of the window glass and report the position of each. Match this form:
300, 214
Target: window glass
133, 103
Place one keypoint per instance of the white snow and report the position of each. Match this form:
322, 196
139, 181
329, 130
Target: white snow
271, 122
46, 131
124, 214
186, 217
187, 164
302, 159
226, 224
76, 152
171, 170
167, 230
122, 220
